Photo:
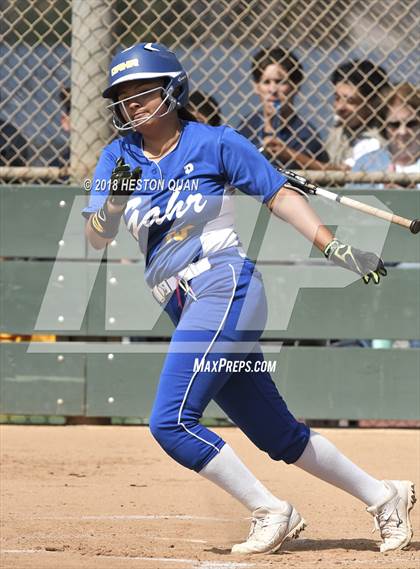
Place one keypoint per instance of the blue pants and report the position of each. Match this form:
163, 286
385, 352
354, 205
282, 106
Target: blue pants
226, 321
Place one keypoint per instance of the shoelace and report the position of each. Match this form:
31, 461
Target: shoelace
259, 523
381, 521
256, 523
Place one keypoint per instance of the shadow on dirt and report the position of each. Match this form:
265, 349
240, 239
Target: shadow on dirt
346, 544
324, 544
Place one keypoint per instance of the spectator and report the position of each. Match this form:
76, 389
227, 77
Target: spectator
401, 154
357, 107
61, 144
205, 108
402, 150
277, 76
13, 147
66, 106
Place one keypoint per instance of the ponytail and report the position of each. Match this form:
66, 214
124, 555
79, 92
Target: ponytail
186, 115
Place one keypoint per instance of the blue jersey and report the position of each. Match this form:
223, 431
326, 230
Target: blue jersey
182, 208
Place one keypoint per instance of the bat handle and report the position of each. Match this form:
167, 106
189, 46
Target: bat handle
415, 226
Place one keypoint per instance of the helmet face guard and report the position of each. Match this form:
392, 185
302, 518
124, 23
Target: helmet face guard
146, 61
121, 118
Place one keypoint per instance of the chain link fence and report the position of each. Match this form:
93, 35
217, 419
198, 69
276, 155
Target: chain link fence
304, 104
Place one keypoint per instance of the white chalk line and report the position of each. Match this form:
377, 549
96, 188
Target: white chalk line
158, 517
177, 539
136, 517
22, 551
193, 562
146, 538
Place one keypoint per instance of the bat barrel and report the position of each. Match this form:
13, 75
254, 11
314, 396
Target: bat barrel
415, 226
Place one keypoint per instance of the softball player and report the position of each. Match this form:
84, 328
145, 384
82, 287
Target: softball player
170, 178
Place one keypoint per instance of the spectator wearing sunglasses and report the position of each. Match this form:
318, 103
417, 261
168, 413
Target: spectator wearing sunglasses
401, 130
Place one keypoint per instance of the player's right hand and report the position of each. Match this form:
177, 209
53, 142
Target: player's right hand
368, 265
123, 182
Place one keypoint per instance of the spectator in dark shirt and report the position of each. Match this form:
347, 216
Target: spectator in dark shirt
276, 127
65, 113
61, 144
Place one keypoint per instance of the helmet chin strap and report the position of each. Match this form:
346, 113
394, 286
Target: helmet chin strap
132, 124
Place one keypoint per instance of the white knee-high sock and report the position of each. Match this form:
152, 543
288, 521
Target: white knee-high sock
229, 472
322, 459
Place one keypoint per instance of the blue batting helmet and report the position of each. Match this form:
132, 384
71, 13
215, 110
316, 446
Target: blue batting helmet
149, 61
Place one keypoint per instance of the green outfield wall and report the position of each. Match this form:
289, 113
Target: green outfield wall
52, 282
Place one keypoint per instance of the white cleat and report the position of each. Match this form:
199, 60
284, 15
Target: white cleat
269, 529
392, 517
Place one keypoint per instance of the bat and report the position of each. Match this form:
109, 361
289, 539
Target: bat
308, 187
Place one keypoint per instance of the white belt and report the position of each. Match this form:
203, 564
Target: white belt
162, 290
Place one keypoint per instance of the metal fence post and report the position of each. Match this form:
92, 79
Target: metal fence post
91, 44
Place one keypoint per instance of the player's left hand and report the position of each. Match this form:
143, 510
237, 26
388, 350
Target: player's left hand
123, 182
368, 265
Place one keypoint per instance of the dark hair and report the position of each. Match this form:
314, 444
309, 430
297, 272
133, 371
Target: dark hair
206, 105
186, 115
277, 55
365, 75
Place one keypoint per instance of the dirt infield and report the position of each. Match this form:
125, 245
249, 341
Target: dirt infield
89, 497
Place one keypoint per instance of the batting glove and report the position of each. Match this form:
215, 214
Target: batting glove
123, 182
368, 265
